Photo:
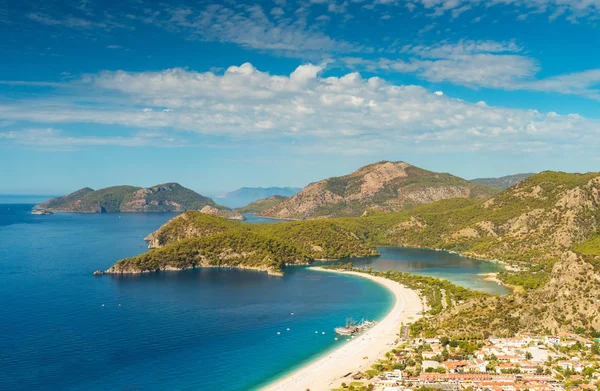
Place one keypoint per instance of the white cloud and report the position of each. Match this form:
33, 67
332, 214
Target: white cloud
251, 27
349, 112
74, 22
52, 139
572, 10
477, 64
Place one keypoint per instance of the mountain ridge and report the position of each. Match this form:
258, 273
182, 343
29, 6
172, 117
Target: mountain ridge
384, 186
503, 182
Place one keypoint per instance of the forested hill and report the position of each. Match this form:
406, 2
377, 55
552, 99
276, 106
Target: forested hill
168, 197
195, 239
384, 186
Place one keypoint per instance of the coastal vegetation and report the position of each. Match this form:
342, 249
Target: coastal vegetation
195, 239
437, 293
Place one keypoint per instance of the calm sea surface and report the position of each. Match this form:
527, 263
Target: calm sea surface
210, 329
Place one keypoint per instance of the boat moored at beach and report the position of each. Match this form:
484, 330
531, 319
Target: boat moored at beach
352, 327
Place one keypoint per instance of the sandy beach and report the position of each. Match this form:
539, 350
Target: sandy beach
361, 352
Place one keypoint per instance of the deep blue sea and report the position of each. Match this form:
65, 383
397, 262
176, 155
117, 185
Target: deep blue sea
209, 329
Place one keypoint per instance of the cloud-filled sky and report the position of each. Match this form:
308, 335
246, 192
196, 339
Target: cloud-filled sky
219, 95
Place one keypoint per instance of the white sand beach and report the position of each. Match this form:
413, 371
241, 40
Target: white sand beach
361, 352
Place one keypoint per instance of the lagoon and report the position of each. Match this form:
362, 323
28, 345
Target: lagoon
62, 328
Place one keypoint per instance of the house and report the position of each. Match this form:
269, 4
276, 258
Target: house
429, 354
528, 367
426, 364
552, 340
566, 364
396, 375
455, 366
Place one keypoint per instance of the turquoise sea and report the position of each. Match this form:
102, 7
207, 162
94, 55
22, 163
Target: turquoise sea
209, 329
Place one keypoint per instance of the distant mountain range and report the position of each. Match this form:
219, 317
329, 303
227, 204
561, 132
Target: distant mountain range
383, 186
503, 182
245, 195
167, 197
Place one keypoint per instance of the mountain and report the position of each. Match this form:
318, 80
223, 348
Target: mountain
259, 206
245, 195
168, 197
384, 186
503, 182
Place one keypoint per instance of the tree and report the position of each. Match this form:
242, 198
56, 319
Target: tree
528, 355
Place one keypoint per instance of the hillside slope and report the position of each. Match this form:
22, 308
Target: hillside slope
246, 195
502, 182
259, 206
168, 197
195, 239
546, 226
384, 186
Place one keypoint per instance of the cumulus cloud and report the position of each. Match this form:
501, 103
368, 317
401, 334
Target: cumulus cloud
349, 112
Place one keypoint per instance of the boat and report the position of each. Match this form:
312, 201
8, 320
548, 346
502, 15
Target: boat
41, 212
352, 327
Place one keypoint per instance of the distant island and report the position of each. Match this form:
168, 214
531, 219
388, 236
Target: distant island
167, 197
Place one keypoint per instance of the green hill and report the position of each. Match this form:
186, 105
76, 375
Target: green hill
168, 197
195, 239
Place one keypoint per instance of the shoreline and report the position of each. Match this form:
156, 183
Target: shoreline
330, 370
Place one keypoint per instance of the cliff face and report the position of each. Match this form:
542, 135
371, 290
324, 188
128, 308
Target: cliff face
384, 186
168, 197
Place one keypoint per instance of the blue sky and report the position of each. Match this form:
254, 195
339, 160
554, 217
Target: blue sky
219, 95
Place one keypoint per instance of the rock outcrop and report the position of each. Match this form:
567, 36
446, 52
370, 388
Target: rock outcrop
225, 213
